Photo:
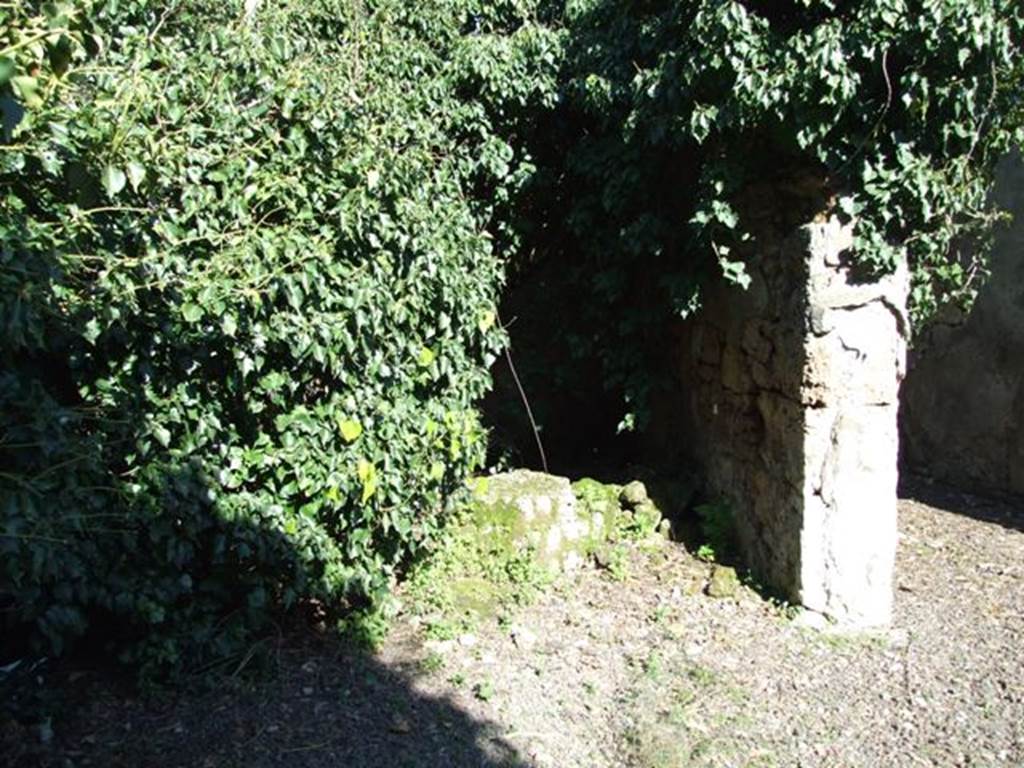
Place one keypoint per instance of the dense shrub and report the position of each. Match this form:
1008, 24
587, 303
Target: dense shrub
247, 302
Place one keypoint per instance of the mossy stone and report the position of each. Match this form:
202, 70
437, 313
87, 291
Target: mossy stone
633, 494
646, 517
724, 582
590, 492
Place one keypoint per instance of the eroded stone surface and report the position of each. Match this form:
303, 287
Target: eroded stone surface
793, 394
540, 511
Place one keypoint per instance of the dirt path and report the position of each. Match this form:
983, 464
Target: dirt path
646, 671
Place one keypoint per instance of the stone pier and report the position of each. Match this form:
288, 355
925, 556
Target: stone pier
792, 398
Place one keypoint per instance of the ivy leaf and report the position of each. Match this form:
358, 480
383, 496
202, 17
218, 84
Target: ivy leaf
735, 272
91, 332
11, 114
7, 69
162, 435
350, 430
848, 205
369, 488
486, 321
367, 474
27, 87
191, 312
279, 47
60, 55
113, 180
136, 174
228, 324
426, 357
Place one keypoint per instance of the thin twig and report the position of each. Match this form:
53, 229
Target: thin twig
981, 122
24, 43
163, 18
526, 401
878, 120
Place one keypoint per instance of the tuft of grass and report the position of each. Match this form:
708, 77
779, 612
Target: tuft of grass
434, 662
653, 666
718, 528
484, 690
701, 675
616, 562
659, 615
457, 680
445, 629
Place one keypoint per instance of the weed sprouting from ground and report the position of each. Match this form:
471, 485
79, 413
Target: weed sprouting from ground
718, 530
470, 578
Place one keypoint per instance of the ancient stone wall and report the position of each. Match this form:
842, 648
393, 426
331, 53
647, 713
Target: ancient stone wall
792, 396
963, 402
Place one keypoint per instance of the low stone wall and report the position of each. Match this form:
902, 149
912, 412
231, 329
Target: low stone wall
792, 396
963, 402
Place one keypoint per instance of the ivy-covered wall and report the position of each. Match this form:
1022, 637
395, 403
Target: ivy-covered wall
251, 256
962, 419
690, 129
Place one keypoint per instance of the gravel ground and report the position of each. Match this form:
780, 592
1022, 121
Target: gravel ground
643, 671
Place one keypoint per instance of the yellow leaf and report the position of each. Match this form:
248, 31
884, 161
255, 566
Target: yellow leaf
350, 430
369, 489
368, 477
486, 321
427, 356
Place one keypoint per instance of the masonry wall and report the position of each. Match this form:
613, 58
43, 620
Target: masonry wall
791, 392
963, 403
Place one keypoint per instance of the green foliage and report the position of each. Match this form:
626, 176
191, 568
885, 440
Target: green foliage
247, 292
476, 573
367, 627
623, 523
484, 690
615, 558
250, 255
718, 531
693, 132
653, 666
433, 662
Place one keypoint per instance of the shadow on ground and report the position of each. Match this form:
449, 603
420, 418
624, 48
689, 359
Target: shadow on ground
300, 698
1006, 511
323, 704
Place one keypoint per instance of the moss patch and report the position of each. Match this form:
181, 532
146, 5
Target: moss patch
517, 534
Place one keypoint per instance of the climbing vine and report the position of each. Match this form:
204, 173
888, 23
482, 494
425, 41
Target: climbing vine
251, 255
693, 132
